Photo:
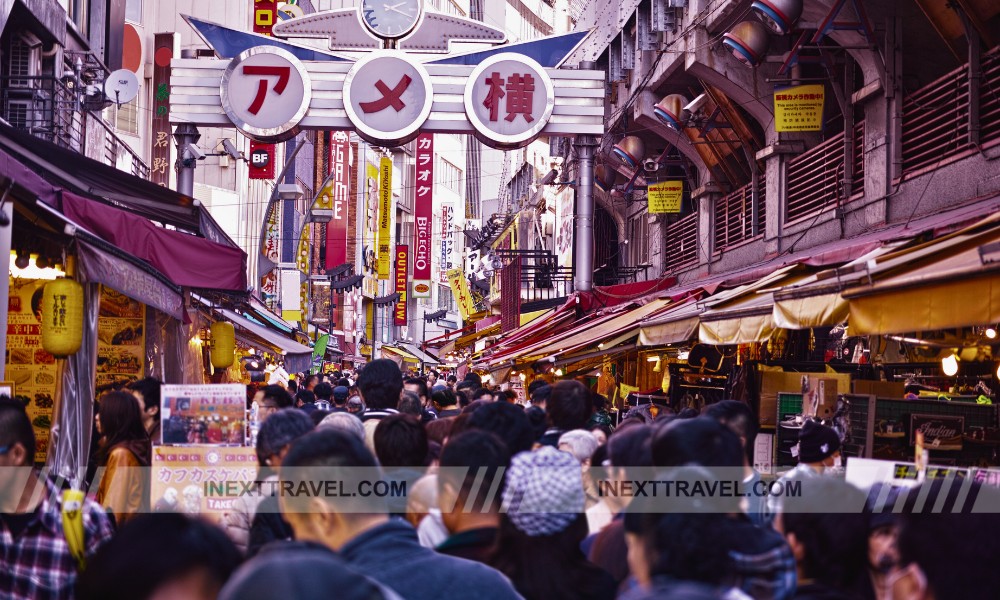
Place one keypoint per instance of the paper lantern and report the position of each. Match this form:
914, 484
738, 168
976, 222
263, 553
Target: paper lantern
630, 150
223, 344
778, 15
668, 111
747, 41
62, 317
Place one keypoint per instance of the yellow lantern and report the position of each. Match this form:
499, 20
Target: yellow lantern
223, 344
62, 317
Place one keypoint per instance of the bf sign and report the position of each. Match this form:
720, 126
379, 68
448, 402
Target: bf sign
266, 92
261, 160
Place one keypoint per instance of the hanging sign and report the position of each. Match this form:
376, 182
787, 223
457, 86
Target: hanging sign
799, 108
423, 215
448, 260
338, 190
369, 261
163, 52
665, 197
509, 99
266, 92
384, 216
261, 160
460, 289
264, 12
402, 260
387, 96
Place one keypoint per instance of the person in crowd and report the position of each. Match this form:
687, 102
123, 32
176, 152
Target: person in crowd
509, 396
344, 421
273, 440
738, 417
290, 384
36, 561
446, 404
538, 420
482, 394
309, 382
271, 398
123, 454
432, 378
539, 398
535, 384
763, 565
508, 421
473, 459
301, 571
422, 387
538, 547
379, 384
601, 415
830, 548
581, 444
452, 382
160, 555
601, 432
409, 404
818, 454
318, 415
324, 396
422, 511
356, 406
361, 532
883, 535
568, 408
438, 430
147, 392
401, 441
629, 452
339, 396
305, 401
948, 543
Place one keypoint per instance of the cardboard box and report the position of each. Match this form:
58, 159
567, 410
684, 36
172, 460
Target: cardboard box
879, 389
771, 383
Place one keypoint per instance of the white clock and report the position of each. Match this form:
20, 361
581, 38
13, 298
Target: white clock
391, 19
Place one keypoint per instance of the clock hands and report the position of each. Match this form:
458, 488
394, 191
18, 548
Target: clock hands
395, 8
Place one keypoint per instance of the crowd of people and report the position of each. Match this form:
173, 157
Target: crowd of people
479, 465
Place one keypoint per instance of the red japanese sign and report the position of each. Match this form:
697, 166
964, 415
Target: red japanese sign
509, 98
261, 160
402, 264
264, 12
160, 143
423, 210
340, 178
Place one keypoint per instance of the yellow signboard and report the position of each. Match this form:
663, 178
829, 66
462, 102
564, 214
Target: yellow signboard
384, 218
665, 197
799, 108
460, 289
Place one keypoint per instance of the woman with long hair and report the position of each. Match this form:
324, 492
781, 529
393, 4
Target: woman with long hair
123, 454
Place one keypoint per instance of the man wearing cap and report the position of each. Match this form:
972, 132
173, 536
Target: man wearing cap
818, 452
339, 396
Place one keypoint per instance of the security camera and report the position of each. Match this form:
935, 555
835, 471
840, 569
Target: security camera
231, 150
195, 152
696, 104
650, 165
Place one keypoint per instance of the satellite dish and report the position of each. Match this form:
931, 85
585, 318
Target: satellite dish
122, 86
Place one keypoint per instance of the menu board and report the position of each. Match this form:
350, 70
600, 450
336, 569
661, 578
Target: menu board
203, 414
29, 368
200, 481
121, 340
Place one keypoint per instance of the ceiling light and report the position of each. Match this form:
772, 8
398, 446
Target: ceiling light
559, 373
991, 333
949, 365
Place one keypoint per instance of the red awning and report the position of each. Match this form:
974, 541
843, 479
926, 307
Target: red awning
186, 260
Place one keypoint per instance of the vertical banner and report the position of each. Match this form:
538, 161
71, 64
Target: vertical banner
564, 227
368, 256
423, 216
460, 289
261, 160
384, 217
338, 183
447, 239
161, 144
264, 12
402, 263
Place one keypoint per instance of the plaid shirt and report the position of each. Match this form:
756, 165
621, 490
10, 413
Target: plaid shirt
764, 564
38, 565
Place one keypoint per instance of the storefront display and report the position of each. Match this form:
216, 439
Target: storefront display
203, 414
121, 346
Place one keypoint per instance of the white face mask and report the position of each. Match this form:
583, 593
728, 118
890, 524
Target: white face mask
837, 468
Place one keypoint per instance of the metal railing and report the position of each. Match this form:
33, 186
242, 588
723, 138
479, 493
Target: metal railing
734, 216
681, 243
50, 110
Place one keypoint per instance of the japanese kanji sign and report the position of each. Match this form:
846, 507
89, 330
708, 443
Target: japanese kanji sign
338, 188
509, 99
266, 92
423, 215
460, 289
201, 481
388, 96
402, 262
161, 144
665, 197
385, 210
261, 160
448, 258
799, 108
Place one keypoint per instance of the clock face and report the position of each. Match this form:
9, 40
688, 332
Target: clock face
390, 18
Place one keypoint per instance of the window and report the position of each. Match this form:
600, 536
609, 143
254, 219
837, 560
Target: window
448, 175
133, 11
445, 299
79, 13
127, 117
638, 238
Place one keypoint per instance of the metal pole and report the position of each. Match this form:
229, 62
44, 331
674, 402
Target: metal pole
186, 135
583, 254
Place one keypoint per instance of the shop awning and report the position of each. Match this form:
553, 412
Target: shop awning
424, 357
297, 357
746, 316
401, 352
553, 341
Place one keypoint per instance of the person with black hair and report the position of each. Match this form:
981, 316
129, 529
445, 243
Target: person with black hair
537, 419
409, 404
361, 532
379, 384
569, 407
738, 417
763, 563
310, 382
469, 459
36, 562
160, 555
123, 454
305, 401
324, 396
482, 394
401, 441
147, 392
452, 381
600, 416
539, 396
421, 387
508, 421
271, 398
830, 548
446, 403
273, 441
